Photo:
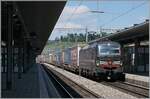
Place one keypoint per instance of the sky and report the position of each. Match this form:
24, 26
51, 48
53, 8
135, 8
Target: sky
117, 14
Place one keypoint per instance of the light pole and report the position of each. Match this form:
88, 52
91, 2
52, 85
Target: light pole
76, 38
94, 11
86, 30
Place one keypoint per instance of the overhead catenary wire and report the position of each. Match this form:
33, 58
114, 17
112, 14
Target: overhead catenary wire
98, 17
81, 1
122, 14
111, 20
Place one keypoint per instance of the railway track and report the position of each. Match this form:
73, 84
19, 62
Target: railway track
132, 89
71, 89
64, 93
135, 90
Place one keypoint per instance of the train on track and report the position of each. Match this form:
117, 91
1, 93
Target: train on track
98, 60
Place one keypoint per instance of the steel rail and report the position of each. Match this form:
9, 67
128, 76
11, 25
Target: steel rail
84, 92
70, 96
135, 90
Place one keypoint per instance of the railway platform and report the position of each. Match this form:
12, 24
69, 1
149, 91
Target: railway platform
138, 79
33, 84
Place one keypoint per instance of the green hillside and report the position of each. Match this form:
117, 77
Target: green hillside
62, 45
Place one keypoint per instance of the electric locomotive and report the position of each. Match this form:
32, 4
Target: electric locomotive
102, 60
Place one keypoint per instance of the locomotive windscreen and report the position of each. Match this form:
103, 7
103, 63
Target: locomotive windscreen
109, 49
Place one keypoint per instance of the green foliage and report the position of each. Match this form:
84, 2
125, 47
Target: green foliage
73, 39
62, 45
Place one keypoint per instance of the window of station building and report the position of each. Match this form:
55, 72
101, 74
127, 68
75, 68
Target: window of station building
141, 61
2, 49
141, 50
4, 61
128, 61
129, 49
15, 50
147, 50
5, 56
147, 58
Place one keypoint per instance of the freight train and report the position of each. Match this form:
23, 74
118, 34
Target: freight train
98, 60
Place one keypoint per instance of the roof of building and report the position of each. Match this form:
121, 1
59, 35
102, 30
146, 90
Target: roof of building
140, 31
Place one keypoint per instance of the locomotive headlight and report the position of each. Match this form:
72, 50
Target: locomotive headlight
97, 63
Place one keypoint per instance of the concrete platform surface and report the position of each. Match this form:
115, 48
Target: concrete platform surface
137, 77
31, 85
138, 80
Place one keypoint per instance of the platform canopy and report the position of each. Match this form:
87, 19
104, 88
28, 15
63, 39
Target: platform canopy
128, 35
37, 20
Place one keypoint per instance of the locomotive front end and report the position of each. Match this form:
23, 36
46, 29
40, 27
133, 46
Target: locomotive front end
109, 61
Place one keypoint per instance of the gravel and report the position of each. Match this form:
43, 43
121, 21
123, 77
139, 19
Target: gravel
100, 89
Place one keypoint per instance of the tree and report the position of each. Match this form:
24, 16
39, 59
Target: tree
103, 34
56, 39
61, 38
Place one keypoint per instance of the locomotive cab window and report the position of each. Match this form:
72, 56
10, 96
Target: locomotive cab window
105, 49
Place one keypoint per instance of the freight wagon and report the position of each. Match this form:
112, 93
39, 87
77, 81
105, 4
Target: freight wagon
58, 56
67, 58
74, 66
62, 58
52, 57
